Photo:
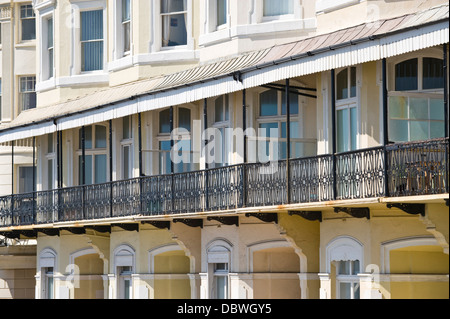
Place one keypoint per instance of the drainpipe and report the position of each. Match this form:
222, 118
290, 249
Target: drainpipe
385, 127
288, 139
333, 129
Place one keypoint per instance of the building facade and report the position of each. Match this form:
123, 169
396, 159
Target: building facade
220, 149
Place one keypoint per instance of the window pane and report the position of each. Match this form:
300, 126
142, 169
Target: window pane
437, 129
271, 130
92, 30
28, 101
280, 7
343, 127
353, 128
419, 130
127, 288
345, 290
126, 37
100, 136
25, 179
293, 104
227, 108
50, 174
92, 56
433, 73
418, 109
342, 85
268, 103
50, 33
126, 128
164, 157
87, 137
355, 269
28, 29
100, 169
126, 162
344, 267
88, 164
221, 282
398, 130
352, 82
218, 112
398, 107
164, 121
174, 30
50, 143
184, 116
168, 6
406, 75
221, 12
91, 25
294, 128
183, 159
436, 109
126, 13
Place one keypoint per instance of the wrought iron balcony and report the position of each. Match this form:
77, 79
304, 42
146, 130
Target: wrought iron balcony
418, 168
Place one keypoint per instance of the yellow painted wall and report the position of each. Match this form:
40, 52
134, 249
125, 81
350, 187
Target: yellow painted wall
274, 285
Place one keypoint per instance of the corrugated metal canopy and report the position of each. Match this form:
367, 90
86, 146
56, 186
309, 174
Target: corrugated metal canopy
363, 43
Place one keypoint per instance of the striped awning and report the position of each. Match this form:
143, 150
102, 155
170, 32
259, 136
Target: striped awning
364, 43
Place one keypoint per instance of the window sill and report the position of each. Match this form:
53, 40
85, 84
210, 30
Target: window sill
120, 64
26, 44
324, 6
81, 79
274, 26
166, 56
218, 36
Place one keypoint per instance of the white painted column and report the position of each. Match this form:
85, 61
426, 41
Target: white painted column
325, 286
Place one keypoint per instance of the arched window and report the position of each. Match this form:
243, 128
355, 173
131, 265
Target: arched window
96, 164
47, 267
219, 265
272, 123
344, 262
182, 152
346, 109
416, 103
124, 266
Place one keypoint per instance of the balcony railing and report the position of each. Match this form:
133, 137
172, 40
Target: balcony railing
417, 168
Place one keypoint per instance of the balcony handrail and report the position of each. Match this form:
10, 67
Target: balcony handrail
403, 181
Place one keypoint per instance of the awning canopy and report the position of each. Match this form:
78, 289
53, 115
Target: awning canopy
364, 43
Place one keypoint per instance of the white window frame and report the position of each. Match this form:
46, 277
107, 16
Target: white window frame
177, 135
77, 8
18, 176
158, 53
20, 21
124, 256
258, 13
50, 156
45, 73
344, 248
118, 49
128, 142
280, 118
349, 103
94, 151
218, 252
47, 260
28, 78
225, 126
420, 92
353, 280
212, 33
